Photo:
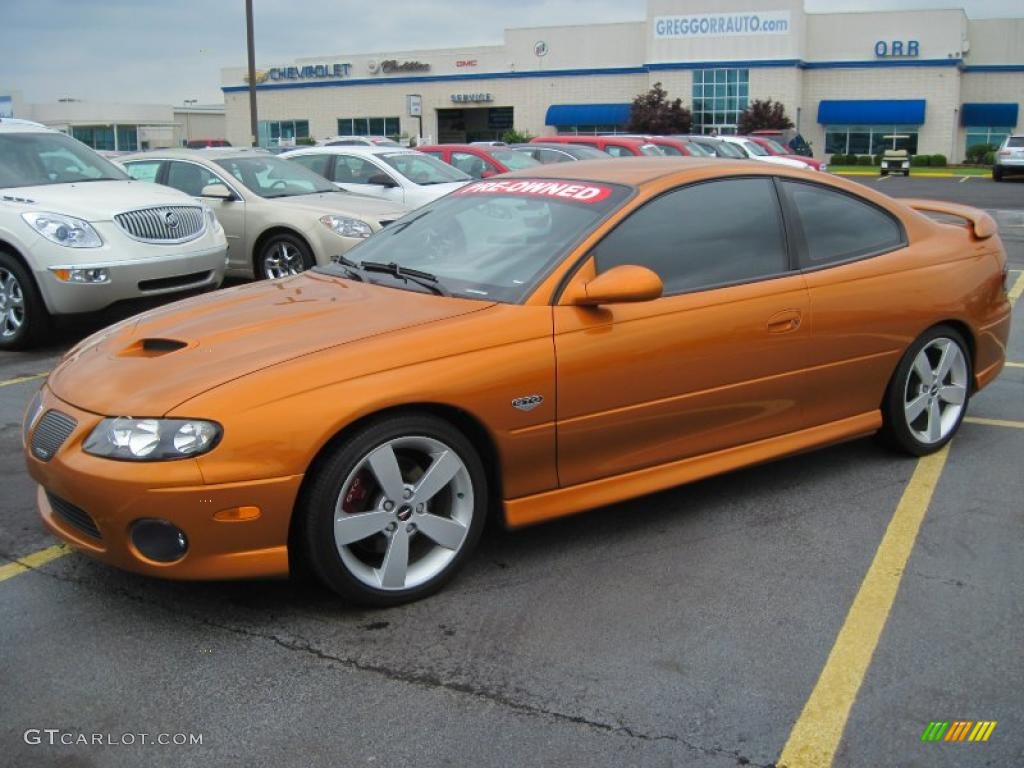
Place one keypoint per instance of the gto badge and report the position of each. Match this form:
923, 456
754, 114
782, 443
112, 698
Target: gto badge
527, 403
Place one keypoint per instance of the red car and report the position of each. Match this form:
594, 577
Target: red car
773, 147
204, 143
616, 146
481, 161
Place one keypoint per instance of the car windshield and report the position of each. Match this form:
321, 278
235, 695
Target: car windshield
31, 159
697, 150
754, 148
491, 240
513, 160
270, 176
651, 149
775, 146
726, 149
668, 149
423, 169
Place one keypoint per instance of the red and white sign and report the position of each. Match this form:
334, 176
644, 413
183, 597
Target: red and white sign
465, 63
573, 191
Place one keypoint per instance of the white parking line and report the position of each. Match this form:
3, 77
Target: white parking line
964, 178
22, 379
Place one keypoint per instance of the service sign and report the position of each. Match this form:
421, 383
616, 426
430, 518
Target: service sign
570, 191
722, 24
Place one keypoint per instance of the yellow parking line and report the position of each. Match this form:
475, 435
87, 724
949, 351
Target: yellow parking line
994, 422
1016, 289
36, 559
817, 732
22, 379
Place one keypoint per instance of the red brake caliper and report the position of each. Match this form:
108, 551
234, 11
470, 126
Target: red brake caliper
356, 495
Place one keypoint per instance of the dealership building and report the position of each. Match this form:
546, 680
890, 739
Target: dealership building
932, 81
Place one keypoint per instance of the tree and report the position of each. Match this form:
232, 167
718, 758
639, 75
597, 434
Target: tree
653, 113
763, 113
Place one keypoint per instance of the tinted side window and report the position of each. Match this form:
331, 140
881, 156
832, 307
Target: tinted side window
617, 151
316, 163
703, 235
838, 227
354, 170
190, 178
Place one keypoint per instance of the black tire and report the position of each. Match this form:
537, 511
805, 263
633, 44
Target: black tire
291, 253
316, 533
19, 285
997, 174
896, 431
906, 174
884, 173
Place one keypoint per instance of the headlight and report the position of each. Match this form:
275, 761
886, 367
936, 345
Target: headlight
32, 414
64, 230
346, 227
152, 439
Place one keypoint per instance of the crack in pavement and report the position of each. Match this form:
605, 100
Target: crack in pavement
428, 681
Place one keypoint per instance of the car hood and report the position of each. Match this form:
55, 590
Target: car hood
148, 364
342, 203
434, 191
97, 200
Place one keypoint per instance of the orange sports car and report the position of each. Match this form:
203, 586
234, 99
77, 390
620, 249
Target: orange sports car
532, 345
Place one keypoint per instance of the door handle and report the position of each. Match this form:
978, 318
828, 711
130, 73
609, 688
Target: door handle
786, 321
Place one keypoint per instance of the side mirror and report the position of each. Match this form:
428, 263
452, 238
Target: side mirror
382, 180
624, 283
219, 191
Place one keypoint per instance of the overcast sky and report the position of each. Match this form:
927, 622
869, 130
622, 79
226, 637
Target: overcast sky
153, 51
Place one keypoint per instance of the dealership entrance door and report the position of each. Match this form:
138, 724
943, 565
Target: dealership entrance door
459, 126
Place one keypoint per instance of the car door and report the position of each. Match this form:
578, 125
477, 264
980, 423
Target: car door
355, 174
191, 178
842, 241
716, 362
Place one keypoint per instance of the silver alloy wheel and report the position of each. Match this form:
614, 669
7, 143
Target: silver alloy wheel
403, 513
282, 260
935, 392
12, 304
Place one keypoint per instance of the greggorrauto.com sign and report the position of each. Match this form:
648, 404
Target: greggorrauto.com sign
723, 24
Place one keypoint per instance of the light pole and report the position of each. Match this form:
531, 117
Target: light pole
188, 120
253, 124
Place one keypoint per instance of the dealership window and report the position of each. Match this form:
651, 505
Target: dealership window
870, 139
369, 126
102, 136
274, 133
719, 98
991, 135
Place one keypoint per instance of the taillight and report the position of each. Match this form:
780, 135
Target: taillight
1004, 153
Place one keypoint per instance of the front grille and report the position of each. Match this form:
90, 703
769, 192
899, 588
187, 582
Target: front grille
179, 281
73, 516
51, 432
164, 224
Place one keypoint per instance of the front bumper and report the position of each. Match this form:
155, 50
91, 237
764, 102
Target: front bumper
895, 166
182, 270
114, 494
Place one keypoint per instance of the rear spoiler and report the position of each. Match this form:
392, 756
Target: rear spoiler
984, 225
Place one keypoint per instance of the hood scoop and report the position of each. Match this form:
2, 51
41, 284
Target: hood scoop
152, 347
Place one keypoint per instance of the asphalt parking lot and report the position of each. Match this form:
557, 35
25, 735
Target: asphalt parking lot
772, 616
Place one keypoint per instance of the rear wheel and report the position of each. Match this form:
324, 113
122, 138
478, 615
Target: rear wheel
24, 320
928, 394
281, 256
997, 173
395, 511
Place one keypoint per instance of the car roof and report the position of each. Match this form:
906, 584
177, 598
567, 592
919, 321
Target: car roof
635, 171
16, 125
484, 148
210, 153
361, 149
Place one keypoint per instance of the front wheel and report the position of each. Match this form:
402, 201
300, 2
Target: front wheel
395, 511
281, 256
24, 320
927, 396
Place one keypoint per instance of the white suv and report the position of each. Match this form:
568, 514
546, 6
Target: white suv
77, 234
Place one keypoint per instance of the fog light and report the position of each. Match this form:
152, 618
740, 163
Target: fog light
159, 540
94, 275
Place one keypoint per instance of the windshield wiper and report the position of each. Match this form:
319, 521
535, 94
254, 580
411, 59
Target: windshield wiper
350, 267
417, 276
394, 229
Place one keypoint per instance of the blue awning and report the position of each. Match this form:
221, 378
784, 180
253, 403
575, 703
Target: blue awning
989, 115
872, 112
587, 114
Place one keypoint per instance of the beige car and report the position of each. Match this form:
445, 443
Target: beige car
280, 218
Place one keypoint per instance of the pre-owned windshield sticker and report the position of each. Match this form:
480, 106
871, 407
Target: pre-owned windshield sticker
572, 191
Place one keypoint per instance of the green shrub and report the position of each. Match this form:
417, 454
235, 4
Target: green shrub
989, 158
919, 161
305, 141
838, 158
937, 161
878, 158
865, 160
513, 136
976, 152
